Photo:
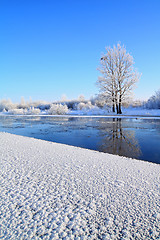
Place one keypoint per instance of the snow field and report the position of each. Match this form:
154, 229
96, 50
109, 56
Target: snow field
54, 191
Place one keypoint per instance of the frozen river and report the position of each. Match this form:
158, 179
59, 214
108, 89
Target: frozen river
131, 137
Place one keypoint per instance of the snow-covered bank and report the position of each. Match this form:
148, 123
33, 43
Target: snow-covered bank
55, 191
133, 112
63, 111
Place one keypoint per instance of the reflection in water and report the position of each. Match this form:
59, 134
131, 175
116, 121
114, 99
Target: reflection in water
137, 138
118, 140
17, 122
7, 121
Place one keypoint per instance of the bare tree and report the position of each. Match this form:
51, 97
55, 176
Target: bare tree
118, 76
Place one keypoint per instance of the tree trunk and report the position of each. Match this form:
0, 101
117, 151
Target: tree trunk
117, 108
116, 101
113, 100
120, 103
113, 108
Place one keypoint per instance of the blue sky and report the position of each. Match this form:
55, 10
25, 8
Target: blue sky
50, 48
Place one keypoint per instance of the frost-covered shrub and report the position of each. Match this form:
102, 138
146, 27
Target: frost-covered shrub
58, 109
6, 104
85, 106
16, 111
21, 111
81, 106
33, 111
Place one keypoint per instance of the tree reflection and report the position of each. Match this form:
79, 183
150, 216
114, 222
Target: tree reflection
118, 140
6, 121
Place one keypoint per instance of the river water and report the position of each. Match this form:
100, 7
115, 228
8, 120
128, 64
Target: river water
131, 137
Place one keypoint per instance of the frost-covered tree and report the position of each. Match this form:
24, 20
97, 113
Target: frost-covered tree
154, 101
81, 98
6, 104
118, 76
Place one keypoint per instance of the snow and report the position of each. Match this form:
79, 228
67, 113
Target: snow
125, 112
82, 109
141, 112
54, 191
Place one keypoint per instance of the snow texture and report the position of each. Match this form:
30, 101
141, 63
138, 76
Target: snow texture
125, 112
54, 191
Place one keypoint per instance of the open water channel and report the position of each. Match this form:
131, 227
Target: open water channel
131, 137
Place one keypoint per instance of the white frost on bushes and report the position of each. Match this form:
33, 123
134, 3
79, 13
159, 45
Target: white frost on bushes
34, 111
85, 106
16, 111
151, 108
58, 109
21, 111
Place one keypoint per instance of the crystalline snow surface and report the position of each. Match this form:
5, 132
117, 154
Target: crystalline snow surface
54, 191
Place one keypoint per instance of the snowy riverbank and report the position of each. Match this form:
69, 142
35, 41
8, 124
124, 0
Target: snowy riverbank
61, 110
55, 191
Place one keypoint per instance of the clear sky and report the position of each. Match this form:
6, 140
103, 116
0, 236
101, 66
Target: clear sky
49, 48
